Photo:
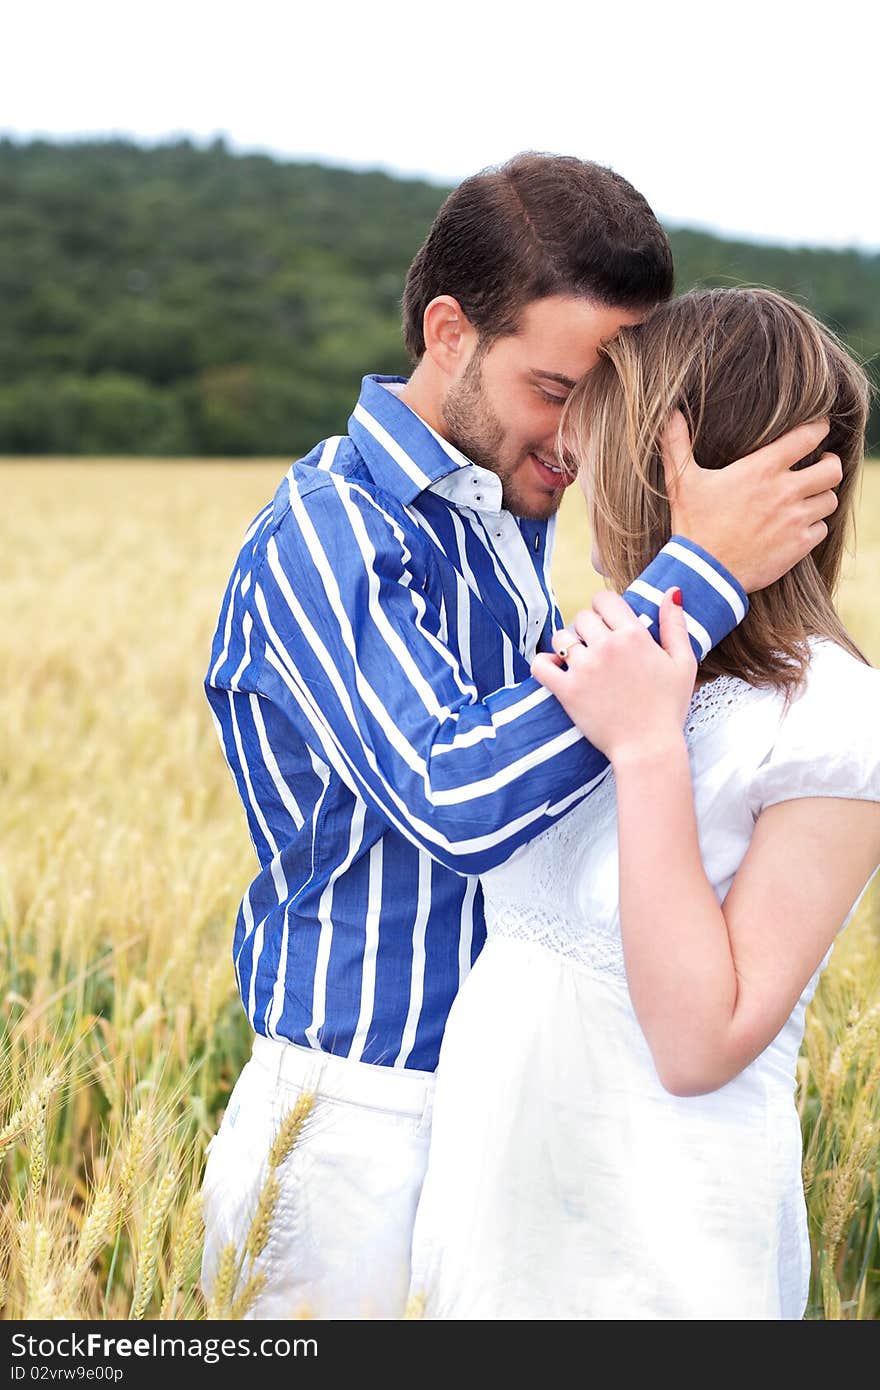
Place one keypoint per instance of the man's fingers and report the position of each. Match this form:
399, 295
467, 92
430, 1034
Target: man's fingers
790, 448
819, 477
816, 508
676, 451
614, 610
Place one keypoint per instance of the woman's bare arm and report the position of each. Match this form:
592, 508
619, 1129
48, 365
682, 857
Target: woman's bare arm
711, 985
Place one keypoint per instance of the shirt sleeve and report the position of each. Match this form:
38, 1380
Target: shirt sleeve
346, 638
828, 739
714, 602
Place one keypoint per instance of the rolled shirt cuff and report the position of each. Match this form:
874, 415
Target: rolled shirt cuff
714, 602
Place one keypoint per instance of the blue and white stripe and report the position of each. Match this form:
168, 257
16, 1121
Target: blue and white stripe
369, 682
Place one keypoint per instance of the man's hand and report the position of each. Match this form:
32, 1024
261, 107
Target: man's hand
757, 517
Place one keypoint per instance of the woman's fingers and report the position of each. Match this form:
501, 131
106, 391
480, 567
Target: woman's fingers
587, 630
548, 671
614, 611
674, 636
610, 613
590, 627
562, 640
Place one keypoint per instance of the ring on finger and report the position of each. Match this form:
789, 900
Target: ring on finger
563, 651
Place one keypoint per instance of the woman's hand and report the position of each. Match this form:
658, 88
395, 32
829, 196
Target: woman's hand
627, 694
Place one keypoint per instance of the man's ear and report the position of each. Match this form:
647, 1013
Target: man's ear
449, 334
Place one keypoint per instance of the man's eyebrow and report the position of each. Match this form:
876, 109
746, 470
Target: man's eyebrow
555, 376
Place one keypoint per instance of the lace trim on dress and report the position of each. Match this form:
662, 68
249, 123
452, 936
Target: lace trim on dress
712, 701
554, 860
588, 946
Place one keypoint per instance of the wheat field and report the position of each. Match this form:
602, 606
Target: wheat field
124, 855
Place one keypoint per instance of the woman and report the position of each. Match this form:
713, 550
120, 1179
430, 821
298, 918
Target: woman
615, 1133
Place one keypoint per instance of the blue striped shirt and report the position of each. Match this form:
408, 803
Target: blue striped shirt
369, 681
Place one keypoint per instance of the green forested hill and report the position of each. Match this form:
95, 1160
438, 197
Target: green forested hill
190, 301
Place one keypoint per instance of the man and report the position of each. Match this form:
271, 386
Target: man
370, 683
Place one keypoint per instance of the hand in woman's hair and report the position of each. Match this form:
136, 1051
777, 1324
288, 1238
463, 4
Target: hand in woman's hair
757, 517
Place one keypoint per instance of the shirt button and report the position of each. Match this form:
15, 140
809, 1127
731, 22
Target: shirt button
478, 497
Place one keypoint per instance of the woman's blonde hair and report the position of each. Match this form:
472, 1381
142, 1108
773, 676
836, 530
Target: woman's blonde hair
744, 366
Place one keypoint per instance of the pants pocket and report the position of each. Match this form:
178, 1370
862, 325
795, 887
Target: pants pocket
237, 1166
338, 1242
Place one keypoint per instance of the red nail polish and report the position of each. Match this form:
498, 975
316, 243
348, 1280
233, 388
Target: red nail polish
676, 597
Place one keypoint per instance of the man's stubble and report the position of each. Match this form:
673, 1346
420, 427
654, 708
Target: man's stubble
473, 426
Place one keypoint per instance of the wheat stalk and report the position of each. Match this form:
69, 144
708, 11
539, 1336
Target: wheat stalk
223, 1290
135, 1149
291, 1128
845, 1190
35, 1247
39, 1135
15, 1128
225, 1299
148, 1253
94, 1233
185, 1251
261, 1222
244, 1301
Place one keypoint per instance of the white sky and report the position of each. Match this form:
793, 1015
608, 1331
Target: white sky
755, 117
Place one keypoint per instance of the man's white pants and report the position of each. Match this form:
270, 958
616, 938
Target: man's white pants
339, 1244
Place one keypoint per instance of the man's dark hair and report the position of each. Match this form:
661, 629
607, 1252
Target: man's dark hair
539, 225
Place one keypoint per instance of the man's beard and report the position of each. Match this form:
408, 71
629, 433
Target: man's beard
474, 428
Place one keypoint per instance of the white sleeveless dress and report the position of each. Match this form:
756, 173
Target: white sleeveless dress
563, 1181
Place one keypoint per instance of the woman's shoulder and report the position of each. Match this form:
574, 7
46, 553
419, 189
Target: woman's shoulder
827, 738
827, 652
836, 707
834, 677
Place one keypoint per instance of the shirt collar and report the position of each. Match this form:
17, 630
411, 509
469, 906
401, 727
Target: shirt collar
405, 455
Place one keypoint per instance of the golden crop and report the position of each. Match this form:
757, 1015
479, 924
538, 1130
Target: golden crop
124, 856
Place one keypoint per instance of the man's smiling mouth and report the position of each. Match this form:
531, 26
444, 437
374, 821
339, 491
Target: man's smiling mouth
554, 468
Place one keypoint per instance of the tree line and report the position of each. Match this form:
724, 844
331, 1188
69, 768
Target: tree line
190, 301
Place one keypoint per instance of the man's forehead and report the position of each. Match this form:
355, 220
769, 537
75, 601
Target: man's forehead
558, 337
